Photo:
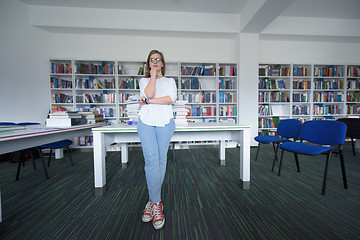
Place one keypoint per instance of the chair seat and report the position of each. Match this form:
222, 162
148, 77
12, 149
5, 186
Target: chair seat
268, 139
304, 148
59, 144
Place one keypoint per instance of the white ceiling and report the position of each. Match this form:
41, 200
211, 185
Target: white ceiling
346, 9
312, 20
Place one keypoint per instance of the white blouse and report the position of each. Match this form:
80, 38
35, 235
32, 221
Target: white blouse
158, 114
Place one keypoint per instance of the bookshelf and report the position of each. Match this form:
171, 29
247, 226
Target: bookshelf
61, 84
95, 87
306, 92
274, 95
211, 91
301, 91
353, 90
104, 85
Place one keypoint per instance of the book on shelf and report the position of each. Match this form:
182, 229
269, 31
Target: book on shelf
265, 110
353, 71
225, 83
229, 111
95, 68
328, 71
204, 70
60, 83
228, 70
63, 68
301, 71
274, 70
131, 83
192, 83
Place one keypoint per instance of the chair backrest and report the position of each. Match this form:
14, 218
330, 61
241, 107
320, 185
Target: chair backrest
353, 126
289, 128
7, 123
323, 132
27, 123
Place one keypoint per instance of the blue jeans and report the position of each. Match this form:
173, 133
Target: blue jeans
155, 144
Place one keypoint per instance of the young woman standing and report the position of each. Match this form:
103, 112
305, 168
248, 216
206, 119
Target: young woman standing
155, 128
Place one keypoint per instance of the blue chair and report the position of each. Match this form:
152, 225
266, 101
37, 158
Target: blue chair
56, 145
27, 123
287, 129
353, 130
7, 123
29, 150
320, 135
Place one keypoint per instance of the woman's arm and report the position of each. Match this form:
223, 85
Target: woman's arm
161, 100
150, 88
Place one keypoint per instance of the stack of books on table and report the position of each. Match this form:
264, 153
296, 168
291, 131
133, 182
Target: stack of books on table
64, 119
180, 112
93, 117
132, 109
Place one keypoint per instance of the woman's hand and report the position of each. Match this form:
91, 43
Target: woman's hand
153, 72
142, 101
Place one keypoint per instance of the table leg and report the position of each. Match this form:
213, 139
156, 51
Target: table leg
99, 163
222, 152
124, 155
0, 208
245, 158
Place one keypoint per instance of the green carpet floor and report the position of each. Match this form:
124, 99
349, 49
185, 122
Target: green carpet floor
202, 200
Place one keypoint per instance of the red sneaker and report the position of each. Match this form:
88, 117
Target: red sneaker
157, 215
147, 217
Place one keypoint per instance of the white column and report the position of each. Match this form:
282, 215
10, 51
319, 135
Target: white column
249, 52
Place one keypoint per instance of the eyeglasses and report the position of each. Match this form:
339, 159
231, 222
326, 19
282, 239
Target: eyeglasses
155, 59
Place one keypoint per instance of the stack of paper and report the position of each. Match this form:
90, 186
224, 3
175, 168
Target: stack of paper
132, 108
180, 112
64, 119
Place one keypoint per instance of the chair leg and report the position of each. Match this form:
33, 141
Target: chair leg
281, 158
72, 163
49, 157
343, 169
275, 156
325, 173
353, 146
43, 163
21, 160
297, 162
257, 152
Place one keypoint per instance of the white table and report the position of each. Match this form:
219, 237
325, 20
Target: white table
35, 135
124, 134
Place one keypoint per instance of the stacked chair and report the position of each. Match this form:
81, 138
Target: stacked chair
353, 130
286, 130
318, 137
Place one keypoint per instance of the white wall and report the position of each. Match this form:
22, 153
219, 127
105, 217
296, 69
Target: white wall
309, 52
25, 51
24, 91
120, 47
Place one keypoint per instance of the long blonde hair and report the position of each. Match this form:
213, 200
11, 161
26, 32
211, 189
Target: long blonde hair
147, 68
